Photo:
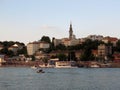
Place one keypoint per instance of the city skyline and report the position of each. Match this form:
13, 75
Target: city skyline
29, 20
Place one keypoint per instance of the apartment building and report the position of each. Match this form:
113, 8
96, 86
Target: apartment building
35, 46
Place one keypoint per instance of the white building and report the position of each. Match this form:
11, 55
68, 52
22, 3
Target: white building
44, 45
15, 48
95, 37
35, 46
104, 50
32, 47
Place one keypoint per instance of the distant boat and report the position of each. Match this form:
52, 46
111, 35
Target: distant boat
64, 64
40, 71
34, 67
94, 66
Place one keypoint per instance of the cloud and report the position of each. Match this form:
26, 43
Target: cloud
48, 27
52, 31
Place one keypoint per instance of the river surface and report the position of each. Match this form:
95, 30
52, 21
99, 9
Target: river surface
17, 78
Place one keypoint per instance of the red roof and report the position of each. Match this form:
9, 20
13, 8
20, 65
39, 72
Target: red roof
111, 38
1, 45
95, 52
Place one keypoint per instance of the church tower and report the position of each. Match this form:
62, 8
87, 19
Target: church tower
70, 32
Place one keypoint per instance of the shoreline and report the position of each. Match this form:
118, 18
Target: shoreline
53, 67
79, 64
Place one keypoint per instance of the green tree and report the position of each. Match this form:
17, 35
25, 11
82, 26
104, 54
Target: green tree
7, 52
62, 57
45, 60
46, 39
10, 53
91, 44
71, 56
87, 55
33, 58
117, 47
4, 51
22, 51
60, 47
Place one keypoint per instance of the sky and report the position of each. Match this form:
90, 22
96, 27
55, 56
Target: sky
28, 20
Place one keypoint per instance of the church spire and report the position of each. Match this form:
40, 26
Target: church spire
70, 31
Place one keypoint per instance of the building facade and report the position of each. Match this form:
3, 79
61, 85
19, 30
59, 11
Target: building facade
112, 40
32, 48
35, 46
104, 51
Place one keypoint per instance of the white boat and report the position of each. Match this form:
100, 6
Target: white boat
34, 67
40, 71
94, 66
64, 64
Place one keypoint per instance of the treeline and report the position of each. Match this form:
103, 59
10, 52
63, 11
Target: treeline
5, 45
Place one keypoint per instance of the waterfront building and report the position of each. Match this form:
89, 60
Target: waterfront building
32, 47
104, 51
35, 46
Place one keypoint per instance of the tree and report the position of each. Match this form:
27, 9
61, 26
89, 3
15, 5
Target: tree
62, 57
22, 51
87, 55
60, 47
4, 51
33, 58
45, 60
117, 48
7, 52
10, 53
46, 39
52, 46
71, 56
91, 44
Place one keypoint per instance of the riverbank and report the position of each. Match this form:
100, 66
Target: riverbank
79, 64
89, 64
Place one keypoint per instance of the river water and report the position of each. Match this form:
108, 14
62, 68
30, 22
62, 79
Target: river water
16, 78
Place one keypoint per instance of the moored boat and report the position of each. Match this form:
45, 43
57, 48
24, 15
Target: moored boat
40, 71
34, 67
94, 66
64, 64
